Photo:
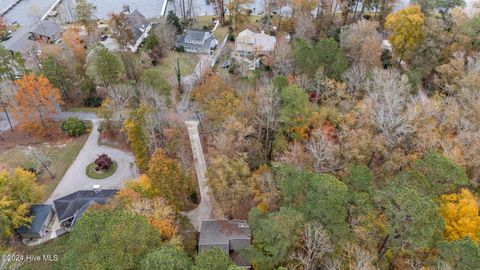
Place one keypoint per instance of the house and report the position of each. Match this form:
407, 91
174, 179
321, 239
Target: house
249, 42
69, 208
197, 41
230, 236
45, 30
41, 216
140, 27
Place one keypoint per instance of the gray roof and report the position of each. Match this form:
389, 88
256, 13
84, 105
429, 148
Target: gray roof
198, 35
46, 28
180, 41
39, 214
220, 232
138, 23
75, 204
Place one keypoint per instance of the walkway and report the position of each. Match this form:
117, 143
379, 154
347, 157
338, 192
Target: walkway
75, 178
205, 210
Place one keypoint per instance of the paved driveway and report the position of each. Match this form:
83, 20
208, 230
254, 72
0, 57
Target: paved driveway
75, 177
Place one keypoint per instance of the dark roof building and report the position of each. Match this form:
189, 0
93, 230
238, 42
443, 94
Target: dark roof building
197, 41
140, 27
47, 30
230, 236
41, 215
72, 206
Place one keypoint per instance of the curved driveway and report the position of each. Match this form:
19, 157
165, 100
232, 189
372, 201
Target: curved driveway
75, 178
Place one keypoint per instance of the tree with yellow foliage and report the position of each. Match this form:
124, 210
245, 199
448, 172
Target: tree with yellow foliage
406, 30
17, 192
462, 219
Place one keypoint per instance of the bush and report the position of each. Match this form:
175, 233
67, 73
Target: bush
74, 126
231, 37
94, 101
103, 162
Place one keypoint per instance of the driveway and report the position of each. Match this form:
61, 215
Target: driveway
75, 178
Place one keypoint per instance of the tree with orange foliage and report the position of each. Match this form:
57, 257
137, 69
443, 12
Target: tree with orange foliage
72, 40
156, 210
460, 212
36, 101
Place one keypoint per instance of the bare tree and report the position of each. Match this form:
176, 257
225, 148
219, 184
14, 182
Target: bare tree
315, 243
355, 77
7, 93
283, 57
268, 105
120, 97
389, 97
362, 42
41, 159
304, 26
322, 151
359, 258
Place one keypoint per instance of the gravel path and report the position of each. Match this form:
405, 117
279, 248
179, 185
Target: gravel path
206, 209
75, 177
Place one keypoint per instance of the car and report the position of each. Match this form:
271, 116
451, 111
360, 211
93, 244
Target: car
226, 64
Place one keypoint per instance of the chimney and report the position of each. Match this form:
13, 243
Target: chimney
96, 189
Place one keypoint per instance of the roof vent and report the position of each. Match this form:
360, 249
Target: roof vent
242, 225
97, 188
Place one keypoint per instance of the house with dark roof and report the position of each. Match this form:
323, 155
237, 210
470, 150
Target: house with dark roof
197, 41
230, 236
140, 27
41, 215
45, 30
69, 208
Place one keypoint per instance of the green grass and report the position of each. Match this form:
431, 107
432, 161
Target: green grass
168, 64
62, 155
90, 171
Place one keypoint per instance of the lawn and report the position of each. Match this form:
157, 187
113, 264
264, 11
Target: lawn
168, 64
83, 109
62, 154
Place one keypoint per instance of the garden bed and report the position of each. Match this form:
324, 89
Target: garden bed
90, 171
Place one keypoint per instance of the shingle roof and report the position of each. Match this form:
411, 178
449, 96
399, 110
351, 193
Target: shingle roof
138, 23
46, 28
75, 204
39, 214
219, 232
198, 35
255, 42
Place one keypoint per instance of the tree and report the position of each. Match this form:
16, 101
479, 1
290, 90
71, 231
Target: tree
295, 112
238, 15
319, 197
461, 254
37, 100
137, 139
275, 235
173, 19
217, 100
103, 162
314, 244
444, 6
212, 259
74, 126
228, 181
58, 75
120, 97
167, 258
18, 191
120, 240
106, 67
168, 180
283, 57
121, 29
7, 94
84, 11
323, 152
11, 64
267, 122
460, 212
413, 218
406, 31
363, 43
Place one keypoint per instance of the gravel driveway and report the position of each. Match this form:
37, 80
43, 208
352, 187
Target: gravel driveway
75, 177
